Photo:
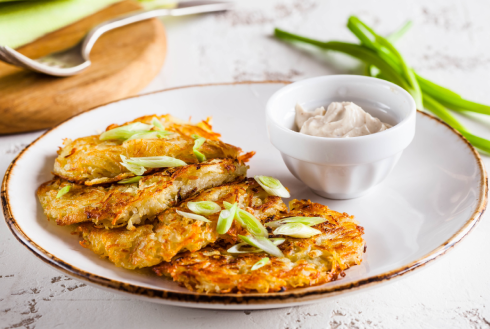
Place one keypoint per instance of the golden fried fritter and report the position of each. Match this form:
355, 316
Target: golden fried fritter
118, 204
90, 161
307, 262
149, 245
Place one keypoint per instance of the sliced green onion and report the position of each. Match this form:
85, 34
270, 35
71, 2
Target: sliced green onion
152, 134
272, 186
135, 169
262, 243
277, 241
197, 144
251, 224
157, 124
203, 207
193, 216
63, 191
248, 221
227, 205
264, 261
155, 162
309, 221
239, 249
125, 132
195, 136
297, 230
134, 179
252, 250
226, 219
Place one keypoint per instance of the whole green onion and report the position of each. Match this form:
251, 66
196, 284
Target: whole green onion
384, 61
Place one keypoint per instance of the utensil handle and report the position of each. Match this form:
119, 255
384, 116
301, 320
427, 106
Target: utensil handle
112, 24
185, 8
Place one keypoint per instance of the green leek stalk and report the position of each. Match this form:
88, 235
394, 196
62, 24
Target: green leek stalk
384, 61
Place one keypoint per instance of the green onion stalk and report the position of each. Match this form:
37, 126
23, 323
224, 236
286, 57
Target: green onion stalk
384, 61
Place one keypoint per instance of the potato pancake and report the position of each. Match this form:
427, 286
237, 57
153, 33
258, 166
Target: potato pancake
307, 262
148, 245
120, 204
91, 161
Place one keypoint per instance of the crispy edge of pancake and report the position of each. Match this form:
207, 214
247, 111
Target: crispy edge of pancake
90, 161
307, 262
130, 204
149, 245
205, 126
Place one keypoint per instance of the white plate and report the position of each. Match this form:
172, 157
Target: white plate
434, 197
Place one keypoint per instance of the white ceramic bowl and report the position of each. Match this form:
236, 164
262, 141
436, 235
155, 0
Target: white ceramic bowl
342, 168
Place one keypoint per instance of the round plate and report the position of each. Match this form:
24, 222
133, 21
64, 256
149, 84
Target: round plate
434, 197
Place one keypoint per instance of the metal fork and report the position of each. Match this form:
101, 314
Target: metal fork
76, 59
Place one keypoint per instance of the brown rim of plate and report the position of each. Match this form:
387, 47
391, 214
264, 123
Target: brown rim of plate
292, 296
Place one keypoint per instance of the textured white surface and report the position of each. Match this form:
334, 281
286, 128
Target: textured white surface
449, 44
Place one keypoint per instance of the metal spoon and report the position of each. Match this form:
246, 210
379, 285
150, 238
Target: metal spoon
76, 59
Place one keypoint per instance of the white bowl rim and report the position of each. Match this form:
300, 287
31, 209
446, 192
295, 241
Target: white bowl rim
382, 134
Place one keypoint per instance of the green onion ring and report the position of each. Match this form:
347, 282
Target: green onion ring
297, 230
309, 221
262, 243
225, 219
193, 216
248, 221
125, 132
264, 261
252, 250
272, 186
151, 134
203, 207
157, 124
197, 144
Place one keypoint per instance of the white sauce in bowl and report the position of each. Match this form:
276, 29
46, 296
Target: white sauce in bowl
341, 119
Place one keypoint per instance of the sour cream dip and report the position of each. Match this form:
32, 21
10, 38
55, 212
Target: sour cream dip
341, 119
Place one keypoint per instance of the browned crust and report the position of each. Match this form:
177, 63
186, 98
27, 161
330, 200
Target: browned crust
300, 295
108, 205
307, 262
149, 245
92, 161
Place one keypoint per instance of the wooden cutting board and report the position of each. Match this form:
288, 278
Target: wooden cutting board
124, 61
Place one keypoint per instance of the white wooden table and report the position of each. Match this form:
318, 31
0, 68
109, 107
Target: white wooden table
450, 43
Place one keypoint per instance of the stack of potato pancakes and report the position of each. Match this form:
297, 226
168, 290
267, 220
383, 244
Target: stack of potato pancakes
162, 193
